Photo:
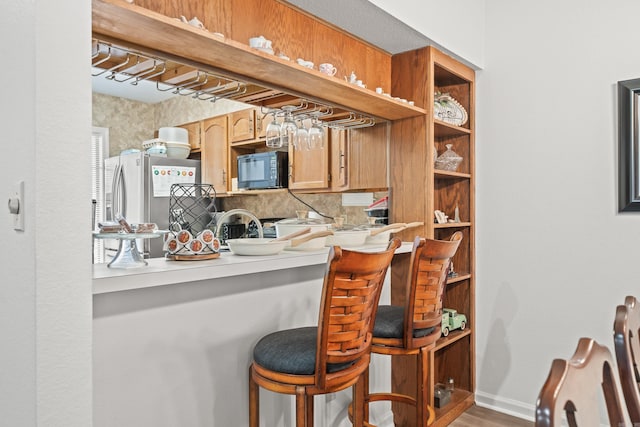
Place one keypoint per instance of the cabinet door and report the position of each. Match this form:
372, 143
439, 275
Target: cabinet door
367, 158
214, 157
194, 134
242, 125
359, 158
339, 155
309, 169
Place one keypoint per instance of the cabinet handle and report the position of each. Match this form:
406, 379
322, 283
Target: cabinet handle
224, 177
250, 125
342, 160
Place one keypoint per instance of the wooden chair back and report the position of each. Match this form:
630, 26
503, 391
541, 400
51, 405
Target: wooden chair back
626, 339
351, 291
571, 389
430, 261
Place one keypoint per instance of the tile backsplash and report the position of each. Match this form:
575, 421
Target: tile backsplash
132, 122
284, 205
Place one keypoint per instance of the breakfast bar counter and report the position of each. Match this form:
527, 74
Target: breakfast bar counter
161, 271
172, 341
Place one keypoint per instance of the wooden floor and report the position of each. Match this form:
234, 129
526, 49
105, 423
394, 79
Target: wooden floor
483, 417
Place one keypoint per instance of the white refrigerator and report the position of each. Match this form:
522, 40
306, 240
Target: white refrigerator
138, 188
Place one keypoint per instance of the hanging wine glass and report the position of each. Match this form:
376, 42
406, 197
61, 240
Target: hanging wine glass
302, 138
288, 129
316, 135
273, 134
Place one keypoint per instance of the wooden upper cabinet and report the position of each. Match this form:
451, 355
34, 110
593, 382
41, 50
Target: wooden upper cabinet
309, 169
215, 154
350, 160
367, 158
195, 136
359, 159
242, 126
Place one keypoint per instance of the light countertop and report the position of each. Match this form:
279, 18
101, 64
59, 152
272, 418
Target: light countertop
162, 272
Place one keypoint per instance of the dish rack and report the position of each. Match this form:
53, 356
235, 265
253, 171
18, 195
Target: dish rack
191, 233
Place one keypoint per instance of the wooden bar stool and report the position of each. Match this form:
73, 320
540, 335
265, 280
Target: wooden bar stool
334, 354
626, 340
413, 329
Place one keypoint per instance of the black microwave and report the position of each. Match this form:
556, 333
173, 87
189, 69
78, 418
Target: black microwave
268, 169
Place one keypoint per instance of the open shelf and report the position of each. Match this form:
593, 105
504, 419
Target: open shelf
460, 401
453, 225
451, 175
155, 34
459, 278
443, 129
453, 337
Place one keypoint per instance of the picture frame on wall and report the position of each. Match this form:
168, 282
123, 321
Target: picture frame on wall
628, 146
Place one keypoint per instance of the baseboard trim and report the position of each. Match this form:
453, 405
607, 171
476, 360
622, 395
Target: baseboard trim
511, 407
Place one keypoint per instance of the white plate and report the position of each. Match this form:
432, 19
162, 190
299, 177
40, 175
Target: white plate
348, 239
449, 110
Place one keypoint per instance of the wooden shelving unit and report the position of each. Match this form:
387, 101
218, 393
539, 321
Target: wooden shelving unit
418, 75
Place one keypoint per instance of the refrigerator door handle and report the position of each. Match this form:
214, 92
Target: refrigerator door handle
123, 187
114, 192
119, 192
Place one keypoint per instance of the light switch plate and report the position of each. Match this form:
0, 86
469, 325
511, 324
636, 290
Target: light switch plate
18, 218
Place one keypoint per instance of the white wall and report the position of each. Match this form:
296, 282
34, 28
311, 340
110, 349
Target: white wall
45, 292
153, 370
554, 258
456, 26
17, 292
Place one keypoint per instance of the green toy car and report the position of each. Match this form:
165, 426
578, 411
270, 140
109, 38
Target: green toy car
451, 320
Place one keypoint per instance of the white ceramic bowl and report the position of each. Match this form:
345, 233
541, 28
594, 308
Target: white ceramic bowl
177, 150
348, 238
379, 239
173, 134
291, 225
158, 148
255, 246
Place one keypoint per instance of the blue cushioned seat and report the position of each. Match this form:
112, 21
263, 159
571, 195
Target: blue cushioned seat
390, 323
292, 351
